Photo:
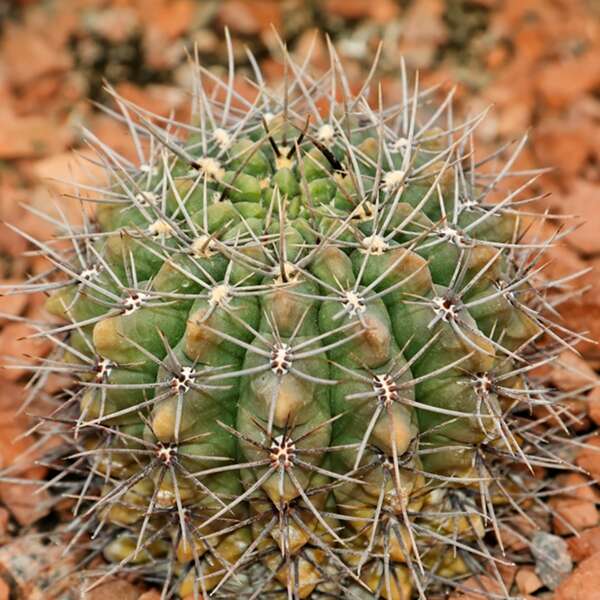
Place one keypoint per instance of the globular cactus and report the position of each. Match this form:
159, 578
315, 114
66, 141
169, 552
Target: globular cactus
302, 340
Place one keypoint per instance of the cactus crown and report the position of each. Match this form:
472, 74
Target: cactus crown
302, 340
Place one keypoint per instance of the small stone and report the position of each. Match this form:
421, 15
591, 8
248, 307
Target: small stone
4, 519
13, 304
250, 17
27, 55
573, 514
563, 143
16, 344
172, 18
589, 457
553, 562
349, 9
577, 485
572, 372
527, 580
25, 504
150, 595
506, 571
585, 544
31, 136
593, 405
583, 201
516, 532
117, 588
583, 583
381, 11
582, 73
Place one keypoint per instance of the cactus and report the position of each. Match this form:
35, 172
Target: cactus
302, 340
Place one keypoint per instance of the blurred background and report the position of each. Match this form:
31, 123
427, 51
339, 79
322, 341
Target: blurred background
537, 62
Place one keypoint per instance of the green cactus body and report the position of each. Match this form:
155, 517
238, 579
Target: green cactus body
293, 326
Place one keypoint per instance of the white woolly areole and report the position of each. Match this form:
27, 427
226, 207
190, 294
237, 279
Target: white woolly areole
146, 198
469, 204
374, 244
354, 304
219, 295
282, 452
165, 454
326, 133
134, 301
290, 271
365, 211
281, 359
454, 236
203, 247
222, 137
91, 273
211, 168
182, 382
483, 385
104, 368
160, 227
400, 144
385, 388
146, 168
445, 309
393, 179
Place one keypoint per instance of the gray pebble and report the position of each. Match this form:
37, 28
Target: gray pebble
552, 560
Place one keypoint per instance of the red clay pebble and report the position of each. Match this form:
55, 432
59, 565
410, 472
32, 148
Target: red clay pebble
576, 485
25, 504
250, 17
585, 544
572, 372
576, 506
582, 201
589, 457
527, 580
12, 304
17, 345
573, 514
4, 518
516, 533
581, 72
583, 583
117, 588
593, 405
506, 571
4, 590
150, 595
